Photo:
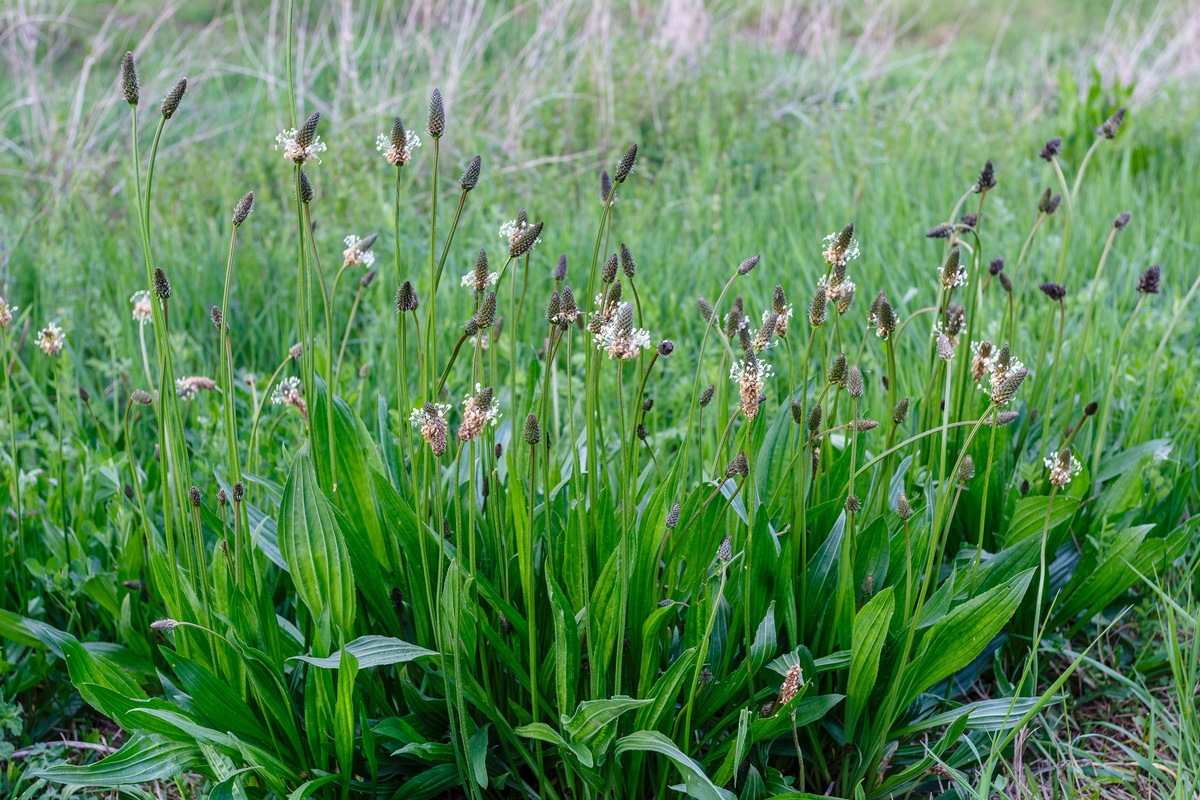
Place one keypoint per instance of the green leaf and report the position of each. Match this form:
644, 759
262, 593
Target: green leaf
313, 547
869, 633
695, 782
1029, 516
478, 746
343, 715
764, 644
956, 639
592, 715
141, 760
214, 700
372, 651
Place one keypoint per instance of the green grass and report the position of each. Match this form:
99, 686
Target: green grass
750, 142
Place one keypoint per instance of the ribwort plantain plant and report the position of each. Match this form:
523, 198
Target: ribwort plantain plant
540, 572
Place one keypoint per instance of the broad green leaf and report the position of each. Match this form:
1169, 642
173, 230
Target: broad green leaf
956, 639
696, 783
313, 547
478, 746
214, 700
870, 632
141, 760
665, 690
343, 719
1102, 577
1029, 516
592, 715
372, 651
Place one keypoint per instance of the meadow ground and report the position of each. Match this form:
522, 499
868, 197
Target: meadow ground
762, 127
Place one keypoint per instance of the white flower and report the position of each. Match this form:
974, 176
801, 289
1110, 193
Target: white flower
782, 320
286, 141
50, 340
419, 417
953, 277
469, 280
285, 389
833, 255
749, 374
619, 338
479, 410
512, 229
358, 251
1063, 467
143, 312
6, 313
187, 387
398, 156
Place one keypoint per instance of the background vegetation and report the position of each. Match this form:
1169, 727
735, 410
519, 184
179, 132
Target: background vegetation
762, 128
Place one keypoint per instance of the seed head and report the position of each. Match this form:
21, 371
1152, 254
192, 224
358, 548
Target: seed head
215, 314
1150, 280
406, 298
194, 496
739, 467
665, 348
164, 625
647, 404
1009, 386
779, 300
673, 515
900, 412
470, 176
987, 177
306, 189
533, 431
432, 424
748, 265
308, 131
1005, 417
706, 309
471, 326
554, 306
837, 372
725, 551
996, 266
162, 286
367, 279
853, 504
940, 231
641, 431
706, 395
1111, 125
1053, 204
845, 238
735, 320
626, 164
945, 347
814, 419
560, 268
854, 382
608, 272
486, 315
606, 186
966, 470
797, 412
1005, 282
437, 115
243, 209
791, 685
129, 79
968, 220
818, 310
1122, 220
1051, 149
953, 272
481, 278
525, 239
628, 265
170, 103
141, 397
956, 319
846, 297
882, 316
864, 425
1091, 408
903, 509
1055, 291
